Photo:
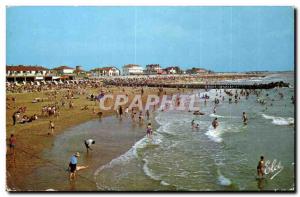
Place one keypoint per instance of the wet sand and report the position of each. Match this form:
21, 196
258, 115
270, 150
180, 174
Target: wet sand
113, 138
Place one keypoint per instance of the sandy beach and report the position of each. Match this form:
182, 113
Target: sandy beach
41, 160
32, 138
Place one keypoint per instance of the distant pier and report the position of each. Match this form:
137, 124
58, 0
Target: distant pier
206, 86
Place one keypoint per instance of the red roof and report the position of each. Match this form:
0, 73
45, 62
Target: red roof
25, 68
62, 68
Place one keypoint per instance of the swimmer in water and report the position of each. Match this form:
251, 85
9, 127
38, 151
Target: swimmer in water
245, 118
215, 110
193, 123
215, 123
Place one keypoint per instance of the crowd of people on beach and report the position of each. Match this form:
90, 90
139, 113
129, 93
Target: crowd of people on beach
73, 89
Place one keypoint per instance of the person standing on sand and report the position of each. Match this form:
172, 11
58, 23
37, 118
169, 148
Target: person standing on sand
12, 145
88, 144
51, 127
126, 112
147, 114
15, 117
120, 112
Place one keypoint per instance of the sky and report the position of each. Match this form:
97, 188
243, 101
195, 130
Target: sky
221, 39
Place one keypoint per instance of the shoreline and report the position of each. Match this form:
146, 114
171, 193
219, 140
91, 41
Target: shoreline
32, 140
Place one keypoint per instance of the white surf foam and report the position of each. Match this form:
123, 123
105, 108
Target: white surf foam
222, 180
216, 116
50, 190
279, 120
214, 134
130, 154
148, 172
164, 183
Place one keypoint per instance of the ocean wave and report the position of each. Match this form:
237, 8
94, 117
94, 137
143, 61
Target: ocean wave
279, 120
214, 134
164, 129
132, 153
164, 183
222, 180
148, 172
129, 155
219, 116
216, 116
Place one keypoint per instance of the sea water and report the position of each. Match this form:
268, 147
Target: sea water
183, 158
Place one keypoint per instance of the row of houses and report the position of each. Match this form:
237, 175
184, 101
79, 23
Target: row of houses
155, 69
32, 73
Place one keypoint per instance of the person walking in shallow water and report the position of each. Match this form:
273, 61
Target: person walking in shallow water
51, 127
73, 165
215, 123
149, 131
245, 118
88, 143
261, 167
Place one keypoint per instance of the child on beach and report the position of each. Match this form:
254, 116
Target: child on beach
149, 131
51, 127
126, 112
100, 115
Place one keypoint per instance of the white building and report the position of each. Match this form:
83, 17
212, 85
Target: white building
26, 70
106, 71
64, 70
132, 69
26, 73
